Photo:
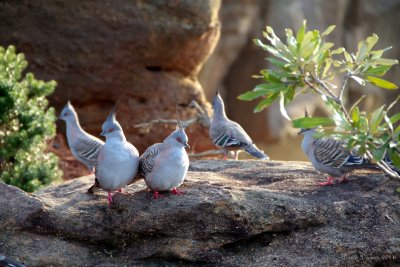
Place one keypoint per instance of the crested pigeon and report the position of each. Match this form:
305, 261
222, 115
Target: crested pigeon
164, 165
118, 160
84, 147
228, 135
330, 156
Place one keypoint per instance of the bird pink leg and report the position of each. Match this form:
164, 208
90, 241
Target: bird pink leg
109, 199
236, 155
329, 181
156, 195
344, 179
225, 157
176, 192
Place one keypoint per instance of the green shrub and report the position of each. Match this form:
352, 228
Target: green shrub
305, 62
26, 125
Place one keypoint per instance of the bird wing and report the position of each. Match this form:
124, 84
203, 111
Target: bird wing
148, 159
333, 153
229, 134
88, 148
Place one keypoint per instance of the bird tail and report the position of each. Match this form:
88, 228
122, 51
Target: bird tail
255, 152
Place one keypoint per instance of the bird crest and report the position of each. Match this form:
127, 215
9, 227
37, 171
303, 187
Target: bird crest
179, 124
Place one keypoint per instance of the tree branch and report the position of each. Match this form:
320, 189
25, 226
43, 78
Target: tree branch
205, 153
383, 166
201, 118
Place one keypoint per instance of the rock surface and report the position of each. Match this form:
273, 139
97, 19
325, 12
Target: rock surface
233, 213
145, 53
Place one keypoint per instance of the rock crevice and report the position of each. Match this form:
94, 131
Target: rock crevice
232, 213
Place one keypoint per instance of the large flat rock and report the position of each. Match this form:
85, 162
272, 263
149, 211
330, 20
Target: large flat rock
233, 213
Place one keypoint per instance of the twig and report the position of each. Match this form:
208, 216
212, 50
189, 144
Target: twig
390, 219
383, 166
205, 153
201, 118
344, 83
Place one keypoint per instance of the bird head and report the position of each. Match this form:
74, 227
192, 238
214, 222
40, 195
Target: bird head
68, 113
111, 127
217, 101
178, 137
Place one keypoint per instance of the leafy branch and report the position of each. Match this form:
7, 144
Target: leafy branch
307, 63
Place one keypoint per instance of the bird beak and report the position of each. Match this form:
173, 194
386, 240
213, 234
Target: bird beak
186, 145
103, 134
301, 131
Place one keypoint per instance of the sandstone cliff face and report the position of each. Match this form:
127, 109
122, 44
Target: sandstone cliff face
233, 213
145, 53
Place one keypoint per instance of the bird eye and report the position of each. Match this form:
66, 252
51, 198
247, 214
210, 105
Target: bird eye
110, 130
179, 139
65, 114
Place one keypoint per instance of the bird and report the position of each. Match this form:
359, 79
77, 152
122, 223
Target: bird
228, 135
329, 155
84, 146
164, 165
118, 160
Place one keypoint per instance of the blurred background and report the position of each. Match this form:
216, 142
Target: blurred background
157, 54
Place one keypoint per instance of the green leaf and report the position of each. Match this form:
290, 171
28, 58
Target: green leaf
371, 41
379, 153
266, 102
337, 51
395, 157
270, 87
276, 62
385, 61
347, 57
395, 118
376, 118
251, 95
355, 115
306, 122
381, 83
362, 51
301, 32
328, 30
289, 95
377, 70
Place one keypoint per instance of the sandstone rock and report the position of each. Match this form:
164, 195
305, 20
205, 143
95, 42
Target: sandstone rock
233, 213
145, 53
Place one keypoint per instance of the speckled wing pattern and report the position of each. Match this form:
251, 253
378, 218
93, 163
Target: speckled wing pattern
332, 152
148, 159
88, 148
229, 135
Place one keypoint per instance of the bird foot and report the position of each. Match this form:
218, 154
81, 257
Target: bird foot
225, 157
176, 192
157, 195
109, 199
344, 179
329, 181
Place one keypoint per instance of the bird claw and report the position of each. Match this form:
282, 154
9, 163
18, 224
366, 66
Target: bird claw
109, 199
344, 179
329, 181
157, 195
176, 192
